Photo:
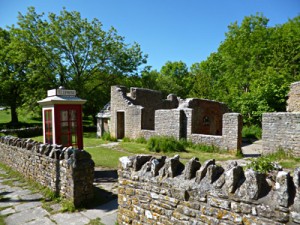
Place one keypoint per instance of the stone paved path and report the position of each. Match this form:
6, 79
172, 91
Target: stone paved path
20, 206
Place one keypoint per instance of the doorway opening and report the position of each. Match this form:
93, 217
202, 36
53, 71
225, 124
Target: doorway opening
120, 125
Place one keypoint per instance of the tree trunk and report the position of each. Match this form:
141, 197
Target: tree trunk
14, 115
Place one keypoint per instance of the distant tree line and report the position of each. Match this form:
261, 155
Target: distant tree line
251, 71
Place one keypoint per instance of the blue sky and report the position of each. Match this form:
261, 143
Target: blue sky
167, 30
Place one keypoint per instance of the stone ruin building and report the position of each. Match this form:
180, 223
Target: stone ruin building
282, 129
144, 113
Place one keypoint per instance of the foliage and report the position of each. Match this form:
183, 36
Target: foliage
67, 206
206, 148
252, 131
165, 144
107, 137
266, 163
261, 165
253, 67
96, 221
127, 139
281, 154
66, 50
141, 140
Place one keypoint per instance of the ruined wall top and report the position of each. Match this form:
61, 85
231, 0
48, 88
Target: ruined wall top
293, 102
146, 97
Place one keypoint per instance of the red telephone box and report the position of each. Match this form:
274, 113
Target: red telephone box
62, 118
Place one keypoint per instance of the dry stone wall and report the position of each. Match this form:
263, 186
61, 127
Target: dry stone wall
164, 191
66, 171
281, 130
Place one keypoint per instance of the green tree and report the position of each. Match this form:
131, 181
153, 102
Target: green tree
253, 67
12, 73
174, 78
70, 51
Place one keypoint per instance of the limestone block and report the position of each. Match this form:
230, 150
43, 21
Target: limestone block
282, 188
200, 174
191, 167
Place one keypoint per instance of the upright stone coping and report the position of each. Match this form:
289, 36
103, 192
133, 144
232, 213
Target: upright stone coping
66, 171
162, 191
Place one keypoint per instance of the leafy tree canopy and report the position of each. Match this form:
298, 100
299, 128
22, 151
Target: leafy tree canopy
68, 50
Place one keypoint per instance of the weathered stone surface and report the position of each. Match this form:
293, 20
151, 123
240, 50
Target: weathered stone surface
139, 161
172, 167
213, 173
191, 168
282, 188
254, 185
293, 102
200, 174
233, 177
156, 165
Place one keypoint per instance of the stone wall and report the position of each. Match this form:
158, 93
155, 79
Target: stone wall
66, 171
281, 130
167, 123
163, 191
146, 114
207, 116
293, 102
232, 130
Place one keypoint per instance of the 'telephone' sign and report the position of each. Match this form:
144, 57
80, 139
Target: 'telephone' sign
61, 92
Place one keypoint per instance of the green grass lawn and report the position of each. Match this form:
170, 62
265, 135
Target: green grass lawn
25, 119
5, 116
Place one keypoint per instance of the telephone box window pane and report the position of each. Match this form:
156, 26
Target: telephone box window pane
48, 126
73, 115
64, 115
68, 127
64, 127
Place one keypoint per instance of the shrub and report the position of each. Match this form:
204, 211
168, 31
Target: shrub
127, 139
261, 165
252, 131
107, 137
206, 148
141, 140
164, 144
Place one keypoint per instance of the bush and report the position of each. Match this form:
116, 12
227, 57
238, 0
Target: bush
252, 131
165, 144
206, 148
107, 137
141, 140
261, 165
127, 139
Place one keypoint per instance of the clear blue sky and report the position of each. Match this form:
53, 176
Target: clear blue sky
167, 30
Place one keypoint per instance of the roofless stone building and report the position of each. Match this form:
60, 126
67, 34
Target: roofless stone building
144, 113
